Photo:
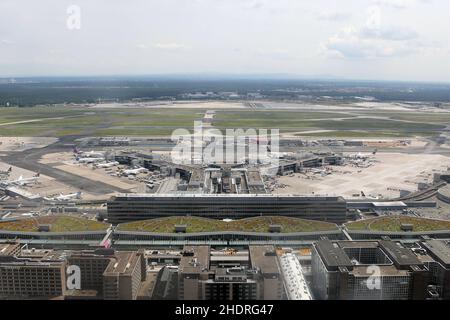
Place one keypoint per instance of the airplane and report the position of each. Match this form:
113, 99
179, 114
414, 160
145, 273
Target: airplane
89, 160
359, 156
134, 172
23, 181
90, 154
67, 197
106, 165
6, 172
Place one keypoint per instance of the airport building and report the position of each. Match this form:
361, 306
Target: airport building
132, 207
443, 194
244, 275
368, 270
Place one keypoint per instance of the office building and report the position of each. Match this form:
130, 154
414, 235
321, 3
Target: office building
367, 270
437, 260
132, 207
31, 276
230, 275
112, 274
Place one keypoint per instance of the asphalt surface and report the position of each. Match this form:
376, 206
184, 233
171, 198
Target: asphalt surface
29, 160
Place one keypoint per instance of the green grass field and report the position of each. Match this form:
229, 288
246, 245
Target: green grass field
393, 223
61, 121
196, 224
57, 121
341, 124
58, 224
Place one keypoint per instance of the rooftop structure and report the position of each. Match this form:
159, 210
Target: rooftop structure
256, 224
57, 223
394, 224
275, 230
444, 194
9, 249
294, 279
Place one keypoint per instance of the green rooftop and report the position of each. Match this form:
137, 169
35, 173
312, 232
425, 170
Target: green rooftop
198, 225
394, 223
56, 223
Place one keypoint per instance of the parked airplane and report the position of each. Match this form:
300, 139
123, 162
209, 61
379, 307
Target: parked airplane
89, 160
106, 165
134, 172
22, 181
66, 197
5, 172
90, 154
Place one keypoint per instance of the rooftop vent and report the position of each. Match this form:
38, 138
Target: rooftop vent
407, 227
180, 228
44, 227
275, 228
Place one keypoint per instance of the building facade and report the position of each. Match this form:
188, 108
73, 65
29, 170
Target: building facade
252, 275
132, 207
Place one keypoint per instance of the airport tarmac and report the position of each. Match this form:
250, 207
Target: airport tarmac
175, 105
64, 161
11, 144
388, 174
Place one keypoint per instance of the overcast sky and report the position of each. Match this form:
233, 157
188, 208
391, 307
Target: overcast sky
357, 39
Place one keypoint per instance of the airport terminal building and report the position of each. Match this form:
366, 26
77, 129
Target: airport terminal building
132, 207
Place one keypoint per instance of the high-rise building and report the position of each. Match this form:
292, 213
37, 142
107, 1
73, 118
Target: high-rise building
437, 261
31, 276
368, 270
230, 275
112, 274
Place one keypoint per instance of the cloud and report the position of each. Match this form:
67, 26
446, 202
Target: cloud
334, 16
350, 44
373, 39
399, 4
389, 33
170, 46
275, 54
5, 42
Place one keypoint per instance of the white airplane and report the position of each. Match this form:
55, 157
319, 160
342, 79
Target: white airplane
6, 172
134, 172
89, 160
66, 197
23, 181
90, 154
360, 156
107, 165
